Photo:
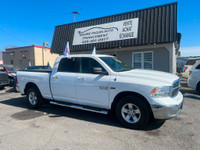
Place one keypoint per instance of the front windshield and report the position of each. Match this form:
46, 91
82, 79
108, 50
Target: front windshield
116, 64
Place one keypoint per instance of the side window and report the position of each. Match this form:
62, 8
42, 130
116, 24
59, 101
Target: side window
68, 65
87, 64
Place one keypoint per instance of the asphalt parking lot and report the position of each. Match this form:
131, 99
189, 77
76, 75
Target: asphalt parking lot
58, 128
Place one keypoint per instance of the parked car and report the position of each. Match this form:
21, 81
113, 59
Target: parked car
11, 70
38, 68
188, 66
194, 77
103, 83
4, 80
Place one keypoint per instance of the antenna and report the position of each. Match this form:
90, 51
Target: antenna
75, 12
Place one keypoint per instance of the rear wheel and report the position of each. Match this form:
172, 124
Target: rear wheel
132, 112
34, 98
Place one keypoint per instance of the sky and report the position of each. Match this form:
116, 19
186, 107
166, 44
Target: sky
28, 22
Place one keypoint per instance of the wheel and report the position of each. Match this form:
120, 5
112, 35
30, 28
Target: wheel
2, 87
132, 112
34, 98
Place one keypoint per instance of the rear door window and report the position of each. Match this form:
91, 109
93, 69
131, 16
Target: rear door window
69, 65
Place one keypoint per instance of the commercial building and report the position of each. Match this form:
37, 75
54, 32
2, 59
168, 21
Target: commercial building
29, 56
145, 38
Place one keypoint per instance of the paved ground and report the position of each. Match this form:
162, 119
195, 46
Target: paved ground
55, 127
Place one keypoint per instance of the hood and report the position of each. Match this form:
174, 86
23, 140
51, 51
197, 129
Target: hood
155, 77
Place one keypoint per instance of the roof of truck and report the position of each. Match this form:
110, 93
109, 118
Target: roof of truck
88, 55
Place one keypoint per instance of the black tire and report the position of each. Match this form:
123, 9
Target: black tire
2, 87
38, 98
142, 115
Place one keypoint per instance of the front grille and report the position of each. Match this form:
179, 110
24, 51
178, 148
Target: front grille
175, 88
3, 77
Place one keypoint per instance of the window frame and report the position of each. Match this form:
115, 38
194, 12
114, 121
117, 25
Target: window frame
142, 59
79, 65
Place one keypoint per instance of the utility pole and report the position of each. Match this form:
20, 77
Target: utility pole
75, 12
44, 45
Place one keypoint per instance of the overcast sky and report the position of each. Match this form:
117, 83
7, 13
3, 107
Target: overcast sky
28, 22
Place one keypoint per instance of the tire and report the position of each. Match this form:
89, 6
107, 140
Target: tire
134, 110
34, 98
2, 87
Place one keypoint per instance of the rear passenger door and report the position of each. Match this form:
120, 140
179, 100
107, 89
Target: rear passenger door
63, 80
92, 89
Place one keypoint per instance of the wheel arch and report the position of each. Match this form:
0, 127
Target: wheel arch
31, 85
130, 93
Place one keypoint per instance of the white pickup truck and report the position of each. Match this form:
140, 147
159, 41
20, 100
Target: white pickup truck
103, 83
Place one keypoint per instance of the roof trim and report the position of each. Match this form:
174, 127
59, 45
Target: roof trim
27, 47
117, 14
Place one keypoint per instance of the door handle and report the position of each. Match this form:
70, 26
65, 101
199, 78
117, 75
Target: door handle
55, 77
81, 79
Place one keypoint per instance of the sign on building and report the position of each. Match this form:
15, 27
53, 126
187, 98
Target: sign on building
114, 31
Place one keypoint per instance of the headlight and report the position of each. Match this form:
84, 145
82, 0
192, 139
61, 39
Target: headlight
161, 91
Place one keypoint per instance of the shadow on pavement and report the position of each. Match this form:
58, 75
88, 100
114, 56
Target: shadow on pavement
58, 111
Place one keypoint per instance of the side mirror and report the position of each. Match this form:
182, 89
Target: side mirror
97, 70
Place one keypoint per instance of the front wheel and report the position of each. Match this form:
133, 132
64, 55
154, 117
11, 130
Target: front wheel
132, 112
34, 98
2, 87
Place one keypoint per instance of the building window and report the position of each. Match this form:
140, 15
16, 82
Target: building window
11, 62
142, 60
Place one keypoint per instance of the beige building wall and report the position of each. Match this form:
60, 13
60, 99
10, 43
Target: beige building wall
30, 55
48, 57
19, 57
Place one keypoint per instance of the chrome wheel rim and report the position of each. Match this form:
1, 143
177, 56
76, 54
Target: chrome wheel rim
131, 113
32, 98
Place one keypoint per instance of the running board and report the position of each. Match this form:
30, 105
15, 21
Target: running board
97, 110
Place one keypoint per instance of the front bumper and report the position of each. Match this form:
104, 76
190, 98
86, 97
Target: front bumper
168, 111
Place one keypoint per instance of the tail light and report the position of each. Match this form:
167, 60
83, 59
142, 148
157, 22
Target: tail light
6, 69
185, 68
190, 72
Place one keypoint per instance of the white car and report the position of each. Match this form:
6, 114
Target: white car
188, 66
102, 83
194, 77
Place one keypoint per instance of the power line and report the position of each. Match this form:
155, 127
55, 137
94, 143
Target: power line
16, 38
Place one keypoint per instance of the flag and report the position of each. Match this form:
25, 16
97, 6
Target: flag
94, 51
67, 51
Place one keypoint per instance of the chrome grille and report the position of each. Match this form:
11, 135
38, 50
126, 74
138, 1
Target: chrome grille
175, 88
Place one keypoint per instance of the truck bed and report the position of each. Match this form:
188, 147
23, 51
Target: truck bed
39, 77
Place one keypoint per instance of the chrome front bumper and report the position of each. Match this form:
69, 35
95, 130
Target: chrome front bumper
166, 112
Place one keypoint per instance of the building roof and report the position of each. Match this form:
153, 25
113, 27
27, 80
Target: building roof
15, 48
157, 25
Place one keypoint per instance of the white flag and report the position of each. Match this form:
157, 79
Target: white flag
67, 51
94, 51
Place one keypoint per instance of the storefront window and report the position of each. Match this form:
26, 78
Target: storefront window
143, 60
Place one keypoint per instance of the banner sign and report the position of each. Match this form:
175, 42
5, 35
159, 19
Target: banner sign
114, 31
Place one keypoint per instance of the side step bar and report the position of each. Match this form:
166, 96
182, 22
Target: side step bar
97, 110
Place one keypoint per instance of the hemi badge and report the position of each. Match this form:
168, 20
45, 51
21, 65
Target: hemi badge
113, 88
